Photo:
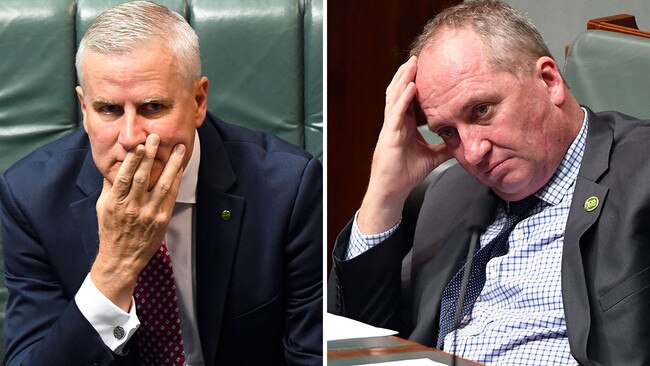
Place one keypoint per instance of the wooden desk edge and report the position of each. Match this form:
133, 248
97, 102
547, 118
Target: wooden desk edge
408, 346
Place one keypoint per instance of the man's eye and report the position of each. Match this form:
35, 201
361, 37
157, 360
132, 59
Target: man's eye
152, 108
481, 110
155, 107
109, 109
446, 133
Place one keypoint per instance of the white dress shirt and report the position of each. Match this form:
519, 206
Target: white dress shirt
116, 326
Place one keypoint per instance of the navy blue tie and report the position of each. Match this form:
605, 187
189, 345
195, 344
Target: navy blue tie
516, 212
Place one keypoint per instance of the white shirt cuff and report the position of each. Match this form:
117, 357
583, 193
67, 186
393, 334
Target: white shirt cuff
360, 243
114, 325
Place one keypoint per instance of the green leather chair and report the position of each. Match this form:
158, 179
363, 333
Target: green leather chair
610, 71
263, 58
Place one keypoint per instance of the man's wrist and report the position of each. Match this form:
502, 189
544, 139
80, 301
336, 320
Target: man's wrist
114, 325
116, 285
359, 243
377, 215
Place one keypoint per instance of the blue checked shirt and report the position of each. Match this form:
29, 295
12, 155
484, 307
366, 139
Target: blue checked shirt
518, 319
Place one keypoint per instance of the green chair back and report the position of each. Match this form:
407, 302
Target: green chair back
609, 71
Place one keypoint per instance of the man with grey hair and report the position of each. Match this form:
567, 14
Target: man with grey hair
146, 238
561, 275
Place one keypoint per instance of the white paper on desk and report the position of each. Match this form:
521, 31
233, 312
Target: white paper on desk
415, 362
338, 327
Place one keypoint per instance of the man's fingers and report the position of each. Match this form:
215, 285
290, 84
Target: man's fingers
439, 153
400, 112
402, 78
101, 201
398, 77
142, 173
404, 102
401, 93
123, 179
169, 180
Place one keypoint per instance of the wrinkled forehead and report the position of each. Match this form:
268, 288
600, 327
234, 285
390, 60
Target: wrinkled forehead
448, 60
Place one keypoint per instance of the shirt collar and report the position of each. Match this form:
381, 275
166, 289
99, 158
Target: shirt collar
187, 189
565, 176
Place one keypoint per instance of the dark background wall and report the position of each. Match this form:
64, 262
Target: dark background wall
366, 43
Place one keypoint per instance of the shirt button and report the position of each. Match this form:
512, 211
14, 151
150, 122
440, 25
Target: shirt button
118, 332
494, 273
519, 234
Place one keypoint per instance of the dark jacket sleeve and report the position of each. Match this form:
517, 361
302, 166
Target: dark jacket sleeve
368, 287
303, 341
43, 323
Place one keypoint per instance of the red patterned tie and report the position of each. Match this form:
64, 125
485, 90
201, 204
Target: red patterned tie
160, 339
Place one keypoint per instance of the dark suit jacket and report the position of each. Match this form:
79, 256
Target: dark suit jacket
258, 274
605, 262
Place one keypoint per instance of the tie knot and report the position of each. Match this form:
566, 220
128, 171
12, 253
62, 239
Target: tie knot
518, 208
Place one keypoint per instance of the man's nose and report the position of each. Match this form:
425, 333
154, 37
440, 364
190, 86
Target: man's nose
475, 146
132, 131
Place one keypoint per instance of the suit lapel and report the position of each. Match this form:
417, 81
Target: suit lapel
218, 220
89, 182
582, 216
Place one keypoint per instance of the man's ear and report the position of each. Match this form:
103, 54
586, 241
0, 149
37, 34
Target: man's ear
80, 96
550, 74
201, 98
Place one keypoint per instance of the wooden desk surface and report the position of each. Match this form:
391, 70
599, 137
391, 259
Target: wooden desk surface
382, 349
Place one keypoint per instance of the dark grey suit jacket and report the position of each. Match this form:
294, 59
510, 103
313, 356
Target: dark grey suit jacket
605, 262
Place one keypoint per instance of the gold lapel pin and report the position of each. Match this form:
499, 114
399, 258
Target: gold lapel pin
591, 203
226, 215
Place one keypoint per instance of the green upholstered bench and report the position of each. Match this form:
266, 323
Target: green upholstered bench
263, 59
609, 71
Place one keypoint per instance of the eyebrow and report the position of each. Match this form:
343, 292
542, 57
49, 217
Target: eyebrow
474, 101
436, 125
160, 100
102, 101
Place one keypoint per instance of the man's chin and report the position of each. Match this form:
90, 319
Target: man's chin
514, 191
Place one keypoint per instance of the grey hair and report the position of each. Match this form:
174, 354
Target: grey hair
513, 41
126, 27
